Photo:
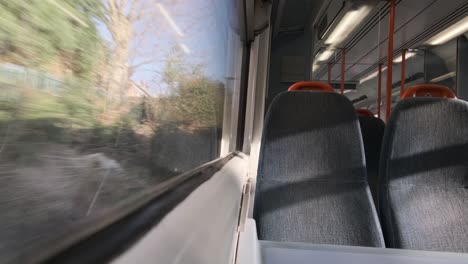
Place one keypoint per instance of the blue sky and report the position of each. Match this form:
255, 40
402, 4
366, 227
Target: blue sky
201, 26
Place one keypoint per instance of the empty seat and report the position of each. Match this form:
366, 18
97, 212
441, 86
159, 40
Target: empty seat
424, 168
311, 183
372, 129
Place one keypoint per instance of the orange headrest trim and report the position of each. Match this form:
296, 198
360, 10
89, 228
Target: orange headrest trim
311, 86
432, 90
364, 112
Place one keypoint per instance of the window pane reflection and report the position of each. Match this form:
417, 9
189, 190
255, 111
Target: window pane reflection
100, 99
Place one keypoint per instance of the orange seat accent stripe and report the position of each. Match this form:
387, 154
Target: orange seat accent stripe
364, 112
432, 90
311, 86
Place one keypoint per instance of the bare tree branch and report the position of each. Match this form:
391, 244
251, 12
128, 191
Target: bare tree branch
123, 4
133, 10
107, 21
112, 6
145, 62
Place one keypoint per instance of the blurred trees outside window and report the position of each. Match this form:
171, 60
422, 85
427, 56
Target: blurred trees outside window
101, 99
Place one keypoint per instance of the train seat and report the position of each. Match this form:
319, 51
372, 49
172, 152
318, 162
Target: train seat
311, 184
424, 168
372, 130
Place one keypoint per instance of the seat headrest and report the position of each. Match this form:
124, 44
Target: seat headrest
364, 112
430, 90
311, 86
310, 135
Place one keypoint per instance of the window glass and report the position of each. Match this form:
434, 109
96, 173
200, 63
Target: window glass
441, 64
413, 72
100, 99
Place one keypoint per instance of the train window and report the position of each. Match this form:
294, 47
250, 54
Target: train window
101, 99
442, 63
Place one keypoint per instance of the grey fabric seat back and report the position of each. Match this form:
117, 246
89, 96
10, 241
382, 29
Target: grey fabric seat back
424, 169
372, 130
311, 183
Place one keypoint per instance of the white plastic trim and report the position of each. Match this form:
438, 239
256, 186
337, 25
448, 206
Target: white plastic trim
201, 229
248, 251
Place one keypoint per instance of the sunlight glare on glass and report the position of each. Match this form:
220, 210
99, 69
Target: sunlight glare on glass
184, 48
169, 20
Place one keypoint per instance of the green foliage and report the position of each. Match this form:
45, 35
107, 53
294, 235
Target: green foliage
194, 100
200, 101
78, 104
36, 33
